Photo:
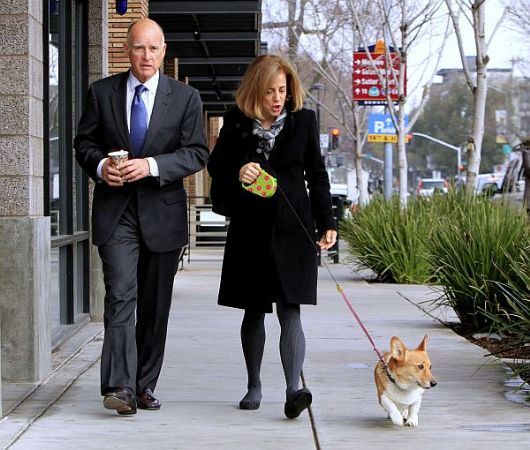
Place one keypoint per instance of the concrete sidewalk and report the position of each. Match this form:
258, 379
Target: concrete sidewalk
204, 378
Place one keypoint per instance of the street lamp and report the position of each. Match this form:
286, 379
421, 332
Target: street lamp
445, 144
317, 87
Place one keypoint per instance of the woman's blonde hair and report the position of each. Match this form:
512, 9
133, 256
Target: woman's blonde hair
256, 81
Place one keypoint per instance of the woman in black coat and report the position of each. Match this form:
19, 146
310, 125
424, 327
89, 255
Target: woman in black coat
270, 254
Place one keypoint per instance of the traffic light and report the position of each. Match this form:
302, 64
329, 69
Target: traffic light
335, 133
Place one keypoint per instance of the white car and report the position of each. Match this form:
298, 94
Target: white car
429, 186
490, 182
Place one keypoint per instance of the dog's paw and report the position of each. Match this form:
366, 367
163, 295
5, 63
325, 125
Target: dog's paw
412, 421
397, 419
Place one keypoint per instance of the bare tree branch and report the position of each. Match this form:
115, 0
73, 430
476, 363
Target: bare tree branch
460, 42
427, 86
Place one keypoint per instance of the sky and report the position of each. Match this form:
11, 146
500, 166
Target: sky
506, 43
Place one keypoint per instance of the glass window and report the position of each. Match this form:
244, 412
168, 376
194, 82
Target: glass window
55, 313
53, 116
66, 195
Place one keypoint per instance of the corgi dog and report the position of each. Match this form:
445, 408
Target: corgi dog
401, 384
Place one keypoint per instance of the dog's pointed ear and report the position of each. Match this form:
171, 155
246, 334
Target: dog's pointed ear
423, 344
398, 349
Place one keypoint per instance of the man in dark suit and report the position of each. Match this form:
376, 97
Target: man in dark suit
139, 219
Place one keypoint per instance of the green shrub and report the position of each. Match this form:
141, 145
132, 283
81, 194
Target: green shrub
474, 244
514, 318
390, 240
473, 247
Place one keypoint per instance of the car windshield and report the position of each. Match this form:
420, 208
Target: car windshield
432, 184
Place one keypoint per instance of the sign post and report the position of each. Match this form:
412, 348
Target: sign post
375, 82
324, 142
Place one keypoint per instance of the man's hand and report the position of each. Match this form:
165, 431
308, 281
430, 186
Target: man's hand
134, 170
111, 174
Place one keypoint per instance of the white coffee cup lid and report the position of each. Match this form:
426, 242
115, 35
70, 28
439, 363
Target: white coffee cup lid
119, 153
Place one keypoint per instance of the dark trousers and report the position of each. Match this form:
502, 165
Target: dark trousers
141, 281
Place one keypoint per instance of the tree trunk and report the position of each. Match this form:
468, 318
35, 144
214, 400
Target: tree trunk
402, 157
363, 192
401, 128
479, 96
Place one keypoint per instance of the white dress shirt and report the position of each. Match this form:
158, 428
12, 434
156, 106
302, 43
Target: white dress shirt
148, 97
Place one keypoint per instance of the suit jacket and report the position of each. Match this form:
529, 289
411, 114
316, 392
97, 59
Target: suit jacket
265, 235
175, 139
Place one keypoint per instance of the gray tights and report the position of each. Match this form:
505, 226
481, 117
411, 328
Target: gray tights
292, 349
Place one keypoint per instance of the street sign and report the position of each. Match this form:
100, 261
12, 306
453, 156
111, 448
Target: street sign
381, 128
324, 141
383, 138
372, 80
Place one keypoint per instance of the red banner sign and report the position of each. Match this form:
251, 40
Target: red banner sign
371, 80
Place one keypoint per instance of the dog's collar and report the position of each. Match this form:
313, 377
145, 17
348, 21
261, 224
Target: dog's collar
385, 368
390, 376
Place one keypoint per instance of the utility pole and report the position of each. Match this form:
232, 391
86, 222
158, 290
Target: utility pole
388, 167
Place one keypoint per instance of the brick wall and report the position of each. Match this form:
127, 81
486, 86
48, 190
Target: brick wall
136, 9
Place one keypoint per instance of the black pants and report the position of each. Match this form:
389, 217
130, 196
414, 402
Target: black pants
141, 281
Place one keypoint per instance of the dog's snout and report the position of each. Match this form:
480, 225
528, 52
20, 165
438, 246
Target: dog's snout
433, 383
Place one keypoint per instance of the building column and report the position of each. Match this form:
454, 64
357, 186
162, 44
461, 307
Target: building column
24, 231
98, 67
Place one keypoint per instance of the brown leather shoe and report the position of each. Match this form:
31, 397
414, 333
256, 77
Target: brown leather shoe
147, 401
122, 400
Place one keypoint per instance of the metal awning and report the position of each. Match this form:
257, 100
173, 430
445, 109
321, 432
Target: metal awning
214, 41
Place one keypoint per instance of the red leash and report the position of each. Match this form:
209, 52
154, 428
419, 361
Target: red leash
337, 285
349, 305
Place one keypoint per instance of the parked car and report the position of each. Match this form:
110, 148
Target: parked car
490, 183
430, 186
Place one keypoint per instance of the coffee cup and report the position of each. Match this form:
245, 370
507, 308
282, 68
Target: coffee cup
118, 157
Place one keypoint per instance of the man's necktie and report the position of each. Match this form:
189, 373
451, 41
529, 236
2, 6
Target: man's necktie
138, 121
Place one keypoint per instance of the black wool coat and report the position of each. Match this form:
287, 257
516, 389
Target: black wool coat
268, 249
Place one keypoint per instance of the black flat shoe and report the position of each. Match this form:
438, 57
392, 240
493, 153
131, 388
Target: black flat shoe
297, 402
252, 400
122, 400
249, 404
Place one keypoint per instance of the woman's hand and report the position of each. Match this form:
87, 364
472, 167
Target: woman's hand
328, 239
249, 172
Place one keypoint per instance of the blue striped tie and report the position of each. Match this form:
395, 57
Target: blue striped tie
138, 121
